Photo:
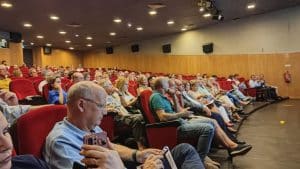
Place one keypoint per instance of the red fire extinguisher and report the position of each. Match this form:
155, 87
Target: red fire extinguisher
287, 77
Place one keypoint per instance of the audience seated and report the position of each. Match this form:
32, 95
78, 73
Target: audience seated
87, 106
143, 84
4, 80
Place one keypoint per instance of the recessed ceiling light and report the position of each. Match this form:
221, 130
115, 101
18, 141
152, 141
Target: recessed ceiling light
71, 48
6, 5
201, 9
76, 35
129, 25
27, 25
22, 41
152, 12
89, 38
62, 32
251, 6
206, 15
40, 37
49, 44
117, 20
31, 43
139, 28
68, 41
89, 45
112, 33
183, 29
108, 42
170, 22
54, 17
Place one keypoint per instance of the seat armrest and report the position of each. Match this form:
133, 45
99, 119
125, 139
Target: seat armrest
174, 123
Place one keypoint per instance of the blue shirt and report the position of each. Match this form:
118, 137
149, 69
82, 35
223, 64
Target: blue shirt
63, 145
53, 97
160, 102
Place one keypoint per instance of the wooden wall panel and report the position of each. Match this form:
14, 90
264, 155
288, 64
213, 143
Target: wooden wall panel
13, 55
271, 65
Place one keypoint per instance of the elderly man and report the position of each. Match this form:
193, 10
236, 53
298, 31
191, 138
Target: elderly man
201, 128
4, 80
86, 108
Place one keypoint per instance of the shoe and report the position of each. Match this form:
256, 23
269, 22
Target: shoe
241, 149
209, 160
210, 166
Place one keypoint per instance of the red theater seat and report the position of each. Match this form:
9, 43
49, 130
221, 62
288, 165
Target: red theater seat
34, 126
23, 88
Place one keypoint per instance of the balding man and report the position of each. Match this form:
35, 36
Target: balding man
4, 80
76, 77
86, 108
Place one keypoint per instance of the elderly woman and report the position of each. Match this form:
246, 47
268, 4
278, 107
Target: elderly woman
143, 84
56, 94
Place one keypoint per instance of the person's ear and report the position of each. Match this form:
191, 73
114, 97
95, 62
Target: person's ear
80, 105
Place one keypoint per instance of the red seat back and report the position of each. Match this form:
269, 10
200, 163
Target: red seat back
46, 89
34, 126
36, 85
22, 88
108, 125
132, 88
145, 101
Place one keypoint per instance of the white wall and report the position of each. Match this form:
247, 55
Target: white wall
276, 32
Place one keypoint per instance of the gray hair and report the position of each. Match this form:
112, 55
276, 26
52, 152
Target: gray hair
84, 89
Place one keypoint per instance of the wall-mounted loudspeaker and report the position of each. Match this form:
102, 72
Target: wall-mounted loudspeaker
47, 50
15, 37
109, 50
166, 48
135, 48
208, 48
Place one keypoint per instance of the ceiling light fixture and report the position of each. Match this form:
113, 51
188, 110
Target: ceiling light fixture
117, 20
71, 48
112, 33
68, 41
170, 22
89, 38
27, 25
54, 17
201, 9
152, 12
40, 37
48, 44
183, 29
6, 5
62, 32
76, 35
206, 15
22, 41
89, 45
129, 25
31, 43
251, 6
139, 28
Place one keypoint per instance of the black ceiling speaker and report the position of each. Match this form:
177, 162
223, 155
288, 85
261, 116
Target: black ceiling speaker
166, 48
15, 37
135, 48
109, 50
47, 50
208, 48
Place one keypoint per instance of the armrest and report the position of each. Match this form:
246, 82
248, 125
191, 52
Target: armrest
174, 123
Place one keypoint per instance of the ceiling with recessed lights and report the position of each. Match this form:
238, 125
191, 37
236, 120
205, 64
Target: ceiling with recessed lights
89, 24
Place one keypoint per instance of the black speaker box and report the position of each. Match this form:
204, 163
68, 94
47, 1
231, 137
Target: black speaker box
47, 50
166, 48
109, 50
135, 48
208, 48
15, 37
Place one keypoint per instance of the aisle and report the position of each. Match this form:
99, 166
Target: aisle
274, 132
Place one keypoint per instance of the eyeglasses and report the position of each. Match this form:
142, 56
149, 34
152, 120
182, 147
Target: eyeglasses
99, 105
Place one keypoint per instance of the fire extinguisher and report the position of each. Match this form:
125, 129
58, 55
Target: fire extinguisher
287, 77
